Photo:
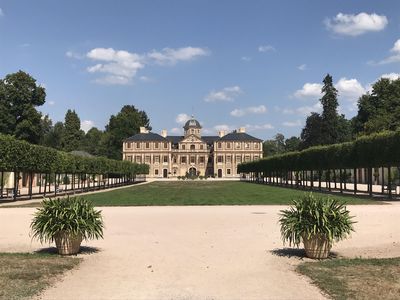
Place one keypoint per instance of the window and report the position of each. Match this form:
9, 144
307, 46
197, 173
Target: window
201, 159
129, 158
228, 171
255, 145
147, 159
156, 172
247, 158
138, 159
156, 145
174, 159
183, 147
201, 147
156, 159
246, 145
183, 159
165, 159
220, 158
138, 145
238, 159
147, 145
191, 131
255, 157
228, 158
165, 145
237, 145
128, 145
219, 145
192, 147
193, 159
228, 145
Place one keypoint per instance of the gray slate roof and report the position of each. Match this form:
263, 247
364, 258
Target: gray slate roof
146, 137
239, 136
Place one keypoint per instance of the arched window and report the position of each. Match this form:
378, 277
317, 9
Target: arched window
192, 147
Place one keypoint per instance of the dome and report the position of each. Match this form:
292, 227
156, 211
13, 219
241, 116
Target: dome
192, 123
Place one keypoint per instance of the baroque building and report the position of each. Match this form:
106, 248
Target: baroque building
192, 153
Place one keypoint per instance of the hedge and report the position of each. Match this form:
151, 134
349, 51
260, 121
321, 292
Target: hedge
16, 155
378, 150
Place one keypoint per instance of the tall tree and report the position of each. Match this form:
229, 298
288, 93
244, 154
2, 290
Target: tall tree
19, 97
54, 138
94, 142
125, 124
328, 127
73, 134
280, 145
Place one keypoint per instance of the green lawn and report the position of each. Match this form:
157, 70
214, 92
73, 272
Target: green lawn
356, 278
24, 275
203, 193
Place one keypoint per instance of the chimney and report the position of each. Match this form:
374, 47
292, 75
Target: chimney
143, 130
221, 133
242, 130
164, 133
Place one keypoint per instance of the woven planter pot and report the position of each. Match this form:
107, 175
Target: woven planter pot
68, 244
317, 247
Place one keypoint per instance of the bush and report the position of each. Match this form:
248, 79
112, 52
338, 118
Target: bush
74, 215
315, 216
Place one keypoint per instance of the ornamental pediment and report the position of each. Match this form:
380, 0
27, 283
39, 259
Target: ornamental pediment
192, 139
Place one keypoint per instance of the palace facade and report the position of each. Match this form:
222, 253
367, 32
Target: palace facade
192, 153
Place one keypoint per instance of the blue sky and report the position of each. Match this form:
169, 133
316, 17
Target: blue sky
257, 64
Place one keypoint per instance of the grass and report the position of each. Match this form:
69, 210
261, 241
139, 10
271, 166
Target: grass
356, 278
204, 193
24, 275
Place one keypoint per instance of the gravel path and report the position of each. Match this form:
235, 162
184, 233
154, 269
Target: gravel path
223, 252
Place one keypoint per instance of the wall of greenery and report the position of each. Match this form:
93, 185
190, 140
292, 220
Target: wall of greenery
21, 156
377, 150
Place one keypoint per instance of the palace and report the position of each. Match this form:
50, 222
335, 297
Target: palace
194, 154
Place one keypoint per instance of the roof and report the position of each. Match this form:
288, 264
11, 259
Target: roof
150, 136
192, 123
239, 136
174, 139
210, 139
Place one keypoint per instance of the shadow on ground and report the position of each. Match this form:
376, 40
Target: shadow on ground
296, 253
84, 250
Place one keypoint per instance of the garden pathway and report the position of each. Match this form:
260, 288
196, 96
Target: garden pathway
223, 252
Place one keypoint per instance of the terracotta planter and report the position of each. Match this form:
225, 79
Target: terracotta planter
317, 247
67, 244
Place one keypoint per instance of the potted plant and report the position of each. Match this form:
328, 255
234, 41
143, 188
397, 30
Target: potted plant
67, 222
317, 222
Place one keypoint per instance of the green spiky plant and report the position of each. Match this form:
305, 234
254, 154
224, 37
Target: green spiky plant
315, 217
74, 216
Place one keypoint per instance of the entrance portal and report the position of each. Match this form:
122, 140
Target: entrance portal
192, 172
165, 173
219, 173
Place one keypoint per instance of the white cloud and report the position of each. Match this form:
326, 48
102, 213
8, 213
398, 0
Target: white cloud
249, 110
349, 89
306, 110
245, 58
392, 58
176, 130
354, 25
223, 127
182, 118
1, 12
226, 94
266, 48
73, 54
302, 67
86, 125
391, 76
120, 66
266, 126
172, 56
292, 123
309, 90
51, 103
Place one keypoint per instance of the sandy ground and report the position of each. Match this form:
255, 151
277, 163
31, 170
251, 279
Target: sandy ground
220, 252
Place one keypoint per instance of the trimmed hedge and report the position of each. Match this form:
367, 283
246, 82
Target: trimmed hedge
16, 155
378, 150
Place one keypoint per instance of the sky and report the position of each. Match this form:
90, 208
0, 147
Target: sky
231, 64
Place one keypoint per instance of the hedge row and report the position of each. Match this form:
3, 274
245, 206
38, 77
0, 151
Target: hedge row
378, 150
16, 155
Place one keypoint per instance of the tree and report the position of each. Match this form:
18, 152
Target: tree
380, 109
54, 138
292, 144
329, 127
280, 145
94, 142
73, 134
19, 97
125, 124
